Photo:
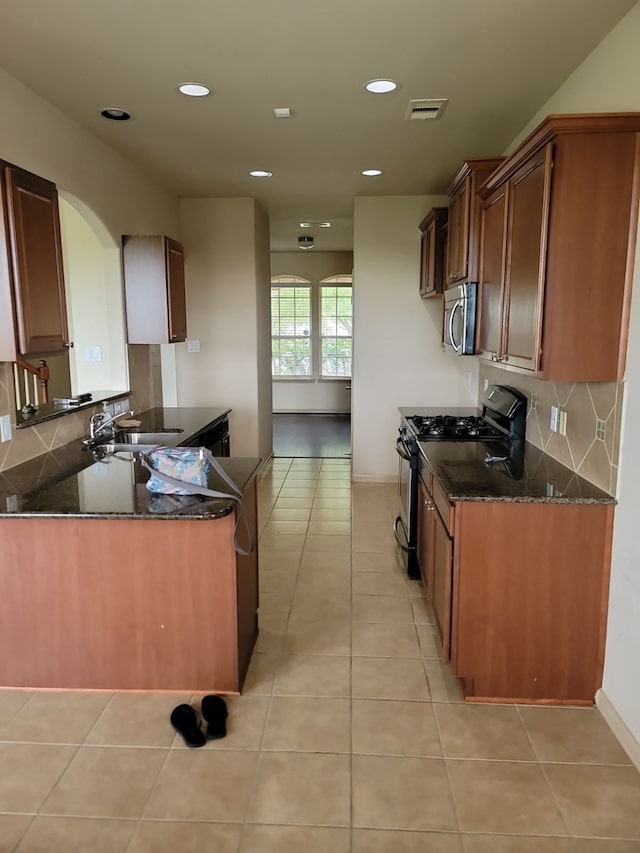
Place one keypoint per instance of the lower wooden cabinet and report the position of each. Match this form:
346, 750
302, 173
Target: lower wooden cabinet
519, 594
435, 555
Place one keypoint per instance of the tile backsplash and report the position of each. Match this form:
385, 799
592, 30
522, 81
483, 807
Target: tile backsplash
593, 409
146, 392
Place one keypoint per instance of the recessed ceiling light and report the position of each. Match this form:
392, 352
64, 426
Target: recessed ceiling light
325, 225
381, 86
260, 173
195, 90
371, 173
115, 114
282, 112
304, 224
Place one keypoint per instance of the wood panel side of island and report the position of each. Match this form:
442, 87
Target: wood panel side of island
120, 604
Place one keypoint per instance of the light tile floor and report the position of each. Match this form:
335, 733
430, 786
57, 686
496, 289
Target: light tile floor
350, 736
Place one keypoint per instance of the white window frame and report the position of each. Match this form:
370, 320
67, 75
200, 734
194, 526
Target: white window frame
333, 281
295, 281
316, 324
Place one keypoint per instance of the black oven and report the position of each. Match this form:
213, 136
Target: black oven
406, 524
501, 425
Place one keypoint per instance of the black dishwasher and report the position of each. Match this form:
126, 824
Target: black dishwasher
215, 438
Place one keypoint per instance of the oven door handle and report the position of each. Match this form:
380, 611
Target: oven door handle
403, 546
401, 450
451, 318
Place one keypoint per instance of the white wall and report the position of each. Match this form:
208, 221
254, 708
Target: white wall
397, 356
95, 309
112, 195
38, 137
312, 395
227, 279
609, 81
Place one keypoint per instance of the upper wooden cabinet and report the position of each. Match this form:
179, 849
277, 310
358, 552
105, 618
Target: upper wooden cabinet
464, 212
558, 226
154, 290
33, 311
432, 251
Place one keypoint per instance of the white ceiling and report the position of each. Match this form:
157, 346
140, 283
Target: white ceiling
497, 61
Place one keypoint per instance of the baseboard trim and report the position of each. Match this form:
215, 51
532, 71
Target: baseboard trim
618, 726
373, 478
311, 411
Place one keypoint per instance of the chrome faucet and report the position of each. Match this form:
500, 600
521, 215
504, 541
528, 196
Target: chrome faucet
99, 422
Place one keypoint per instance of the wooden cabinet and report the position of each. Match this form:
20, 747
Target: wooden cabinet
518, 592
126, 603
558, 224
464, 218
432, 251
33, 310
154, 290
435, 555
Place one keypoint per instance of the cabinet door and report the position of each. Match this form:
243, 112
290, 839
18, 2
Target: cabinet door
492, 267
442, 582
432, 256
36, 259
428, 261
527, 241
176, 291
458, 242
426, 513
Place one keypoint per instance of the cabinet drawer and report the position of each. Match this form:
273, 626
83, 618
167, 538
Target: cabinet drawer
444, 507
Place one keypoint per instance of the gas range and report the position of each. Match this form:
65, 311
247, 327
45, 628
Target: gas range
504, 412
451, 428
501, 425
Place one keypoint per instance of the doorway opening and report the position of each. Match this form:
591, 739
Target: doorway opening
312, 435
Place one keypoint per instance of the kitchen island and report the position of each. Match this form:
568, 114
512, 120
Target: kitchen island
104, 585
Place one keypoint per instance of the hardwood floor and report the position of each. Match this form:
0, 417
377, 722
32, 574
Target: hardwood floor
311, 435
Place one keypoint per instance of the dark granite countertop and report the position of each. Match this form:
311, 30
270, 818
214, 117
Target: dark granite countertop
72, 481
527, 476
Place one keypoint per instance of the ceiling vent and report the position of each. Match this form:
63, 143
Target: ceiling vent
424, 108
305, 242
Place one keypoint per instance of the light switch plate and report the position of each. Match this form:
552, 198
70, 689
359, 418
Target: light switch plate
93, 353
5, 428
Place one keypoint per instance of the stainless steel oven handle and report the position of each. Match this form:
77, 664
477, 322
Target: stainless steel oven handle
403, 547
400, 450
451, 316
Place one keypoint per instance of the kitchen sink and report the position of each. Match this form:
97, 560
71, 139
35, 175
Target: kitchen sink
133, 437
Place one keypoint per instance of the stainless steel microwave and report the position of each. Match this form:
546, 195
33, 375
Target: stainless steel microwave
460, 318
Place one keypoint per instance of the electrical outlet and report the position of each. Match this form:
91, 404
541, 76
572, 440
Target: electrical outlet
534, 402
5, 428
562, 420
118, 408
600, 429
555, 417
193, 346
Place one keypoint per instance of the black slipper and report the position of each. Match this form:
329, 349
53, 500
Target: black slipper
185, 721
214, 711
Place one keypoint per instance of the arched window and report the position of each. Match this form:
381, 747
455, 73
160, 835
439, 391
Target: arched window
336, 326
311, 327
291, 353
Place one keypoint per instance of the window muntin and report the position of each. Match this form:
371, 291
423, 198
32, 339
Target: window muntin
336, 330
291, 353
